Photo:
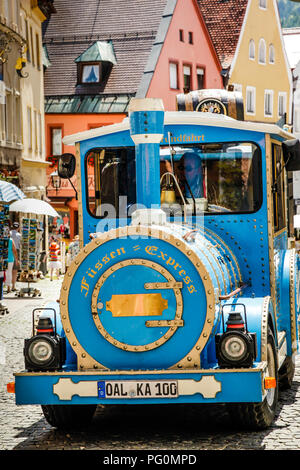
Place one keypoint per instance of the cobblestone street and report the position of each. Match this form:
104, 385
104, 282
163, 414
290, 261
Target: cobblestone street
24, 427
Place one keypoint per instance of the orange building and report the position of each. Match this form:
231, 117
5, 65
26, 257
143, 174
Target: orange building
96, 62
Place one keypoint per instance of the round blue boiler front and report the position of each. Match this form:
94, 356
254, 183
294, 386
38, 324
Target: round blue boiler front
144, 298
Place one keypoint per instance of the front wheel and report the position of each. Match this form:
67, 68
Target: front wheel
258, 416
69, 416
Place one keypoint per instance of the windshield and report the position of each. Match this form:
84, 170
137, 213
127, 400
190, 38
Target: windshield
221, 177
210, 178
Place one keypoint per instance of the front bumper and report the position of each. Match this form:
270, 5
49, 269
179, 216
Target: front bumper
201, 386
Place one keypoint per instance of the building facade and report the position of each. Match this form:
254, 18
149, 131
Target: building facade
248, 38
12, 47
22, 134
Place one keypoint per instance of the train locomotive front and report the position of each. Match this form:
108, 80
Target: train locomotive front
158, 312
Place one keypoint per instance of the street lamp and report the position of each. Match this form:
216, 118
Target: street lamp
55, 180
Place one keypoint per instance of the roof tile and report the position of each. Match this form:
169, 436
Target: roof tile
224, 19
131, 26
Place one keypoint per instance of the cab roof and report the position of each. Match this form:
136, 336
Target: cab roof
185, 118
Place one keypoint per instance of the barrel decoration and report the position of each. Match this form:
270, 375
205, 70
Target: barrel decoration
229, 103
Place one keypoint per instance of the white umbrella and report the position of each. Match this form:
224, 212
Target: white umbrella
33, 206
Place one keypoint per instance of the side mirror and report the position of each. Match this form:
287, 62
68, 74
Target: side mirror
66, 166
291, 154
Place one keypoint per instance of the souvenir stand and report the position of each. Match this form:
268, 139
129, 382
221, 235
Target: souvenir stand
29, 255
4, 241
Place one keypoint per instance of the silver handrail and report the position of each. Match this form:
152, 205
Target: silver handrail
179, 190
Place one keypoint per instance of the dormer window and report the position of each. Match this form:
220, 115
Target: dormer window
90, 73
94, 64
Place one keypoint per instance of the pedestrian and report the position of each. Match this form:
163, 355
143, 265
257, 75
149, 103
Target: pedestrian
54, 263
3, 306
16, 236
74, 249
43, 262
12, 257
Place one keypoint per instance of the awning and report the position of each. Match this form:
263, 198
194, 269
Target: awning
86, 104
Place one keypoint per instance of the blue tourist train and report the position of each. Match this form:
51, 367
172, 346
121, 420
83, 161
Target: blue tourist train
186, 288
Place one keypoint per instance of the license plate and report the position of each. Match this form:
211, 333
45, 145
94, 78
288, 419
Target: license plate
134, 389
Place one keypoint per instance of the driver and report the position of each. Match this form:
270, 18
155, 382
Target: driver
191, 165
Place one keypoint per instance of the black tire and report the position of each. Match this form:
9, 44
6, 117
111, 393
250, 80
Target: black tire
257, 416
286, 373
69, 416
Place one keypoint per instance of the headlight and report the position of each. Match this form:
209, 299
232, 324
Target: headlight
40, 350
46, 350
235, 349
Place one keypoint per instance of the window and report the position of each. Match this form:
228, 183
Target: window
191, 39
7, 11
200, 78
251, 49
268, 103
262, 51
18, 120
250, 100
40, 138
56, 143
263, 4
271, 54
224, 177
186, 78
17, 11
181, 37
278, 184
29, 128
90, 73
173, 70
8, 117
110, 174
35, 130
28, 55
32, 46
38, 58
281, 104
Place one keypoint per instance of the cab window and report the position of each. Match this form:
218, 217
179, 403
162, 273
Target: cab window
110, 179
278, 188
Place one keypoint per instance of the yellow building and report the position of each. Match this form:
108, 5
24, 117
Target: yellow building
12, 45
251, 49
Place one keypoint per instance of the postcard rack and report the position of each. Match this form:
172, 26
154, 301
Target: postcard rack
4, 241
4, 235
29, 255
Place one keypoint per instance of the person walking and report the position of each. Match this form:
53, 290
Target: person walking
54, 263
12, 257
74, 248
16, 236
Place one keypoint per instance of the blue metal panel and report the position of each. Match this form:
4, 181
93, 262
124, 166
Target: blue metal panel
239, 386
